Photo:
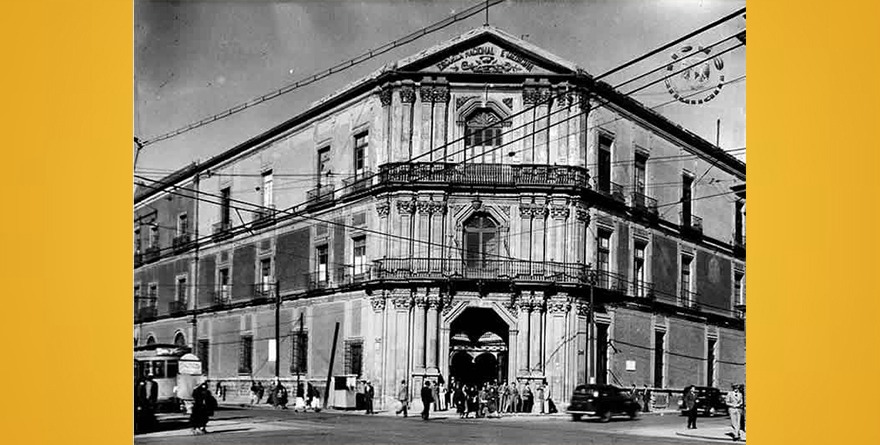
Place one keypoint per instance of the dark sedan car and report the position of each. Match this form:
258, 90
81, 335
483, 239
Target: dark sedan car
603, 401
710, 401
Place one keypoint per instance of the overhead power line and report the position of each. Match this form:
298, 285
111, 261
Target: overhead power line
471, 11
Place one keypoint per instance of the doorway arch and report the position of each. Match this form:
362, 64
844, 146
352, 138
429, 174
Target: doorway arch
478, 346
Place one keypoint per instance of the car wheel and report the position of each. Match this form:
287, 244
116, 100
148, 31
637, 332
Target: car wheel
633, 414
605, 416
576, 417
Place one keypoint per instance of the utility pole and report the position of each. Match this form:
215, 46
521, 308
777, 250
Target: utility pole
330, 369
277, 329
195, 225
591, 348
300, 349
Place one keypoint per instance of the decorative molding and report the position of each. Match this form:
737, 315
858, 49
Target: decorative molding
461, 100
421, 302
641, 233
530, 96
385, 97
378, 303
383, 208
407, 94
558, 305
402, 302
508, 101
533, 210
440, 95
505, 210
583, 308
560, 212
406, 207
434, 302
426, 93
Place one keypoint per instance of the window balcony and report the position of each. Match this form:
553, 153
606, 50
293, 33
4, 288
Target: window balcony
351, 186
688, 299
644, 204
739, 311
489, 175
138, 259
691, 224
151, 254
318, 280
181, 243
264, 291
222, 231
147, 313
612, 190
264, 217
488, 269
176, 307
323, 194
223, 296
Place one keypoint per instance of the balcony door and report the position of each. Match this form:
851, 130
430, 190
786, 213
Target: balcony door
480, 243
482, 136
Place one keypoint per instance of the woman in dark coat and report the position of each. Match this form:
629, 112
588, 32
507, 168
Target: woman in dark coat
690, 405
203, 408
460, 401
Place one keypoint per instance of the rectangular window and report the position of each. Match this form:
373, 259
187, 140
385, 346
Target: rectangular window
659, 354
137, 296
739, 234
153, 293
267, 190
604, 163
158, 369
354, 357
245, 354
182, 224
710, 362
686, 290
360, 154
299, 355
739, 296
322, 263
640, 178
223, 280
360, 255
225, 206
265, 275
203, 351
323, 163
687, 184
137, 240
181, 289
639, 269
154, 235
603, 253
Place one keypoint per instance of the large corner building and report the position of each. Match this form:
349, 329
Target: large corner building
455, 213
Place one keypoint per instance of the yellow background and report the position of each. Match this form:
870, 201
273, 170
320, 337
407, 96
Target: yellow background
813, 295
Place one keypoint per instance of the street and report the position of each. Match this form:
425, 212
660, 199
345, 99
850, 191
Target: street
263, 426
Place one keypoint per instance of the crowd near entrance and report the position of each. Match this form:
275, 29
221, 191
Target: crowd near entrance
478, 347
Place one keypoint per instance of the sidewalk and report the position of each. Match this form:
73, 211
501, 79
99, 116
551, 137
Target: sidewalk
721, 434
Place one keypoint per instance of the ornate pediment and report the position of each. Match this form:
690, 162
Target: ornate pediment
487, 58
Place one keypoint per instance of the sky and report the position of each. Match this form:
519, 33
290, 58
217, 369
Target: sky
194, 59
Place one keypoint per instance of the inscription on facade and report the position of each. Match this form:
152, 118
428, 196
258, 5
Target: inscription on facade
486, 59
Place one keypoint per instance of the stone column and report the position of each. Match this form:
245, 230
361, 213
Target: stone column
580, 137
431, 334
522, 326
542, 149
422, 236
580, 241
398, 151
582, 369
539, 219
407, 98
525, 233
441, 103
419, 332
559, 132
380, 365
536, 307
513, 355
383, 208
384, 152
557, 309
530, 99
402, 301
424, 143
556, 234
406, 209
436, 212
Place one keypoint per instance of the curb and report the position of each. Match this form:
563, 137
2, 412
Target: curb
725, 439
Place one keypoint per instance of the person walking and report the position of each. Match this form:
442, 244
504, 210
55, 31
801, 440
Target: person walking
527, 398
435, 396
505, 397
690, 406
403, 398
280, 395
443, 401
369, 392
646, 398
254, 390
459, 400
515, 400
260, 391
539, 391
473, 401
204, 405
734, 404
742, 423
427, 396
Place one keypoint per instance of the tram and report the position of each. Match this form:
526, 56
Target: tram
162, 362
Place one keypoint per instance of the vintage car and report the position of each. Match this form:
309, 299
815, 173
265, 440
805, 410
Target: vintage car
710, 402
603, 401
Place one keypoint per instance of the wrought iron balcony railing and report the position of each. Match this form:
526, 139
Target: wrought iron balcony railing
176, 307
263, 217
644, 203
495, 175
687, 298
146, 313
488, 269
222, 230
138, 259
357, 183
264, 290
223, 296
181, 242
151, 254
321, 194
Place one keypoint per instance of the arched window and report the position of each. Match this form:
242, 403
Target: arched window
480, 241
179, 339
482, 135
151, 340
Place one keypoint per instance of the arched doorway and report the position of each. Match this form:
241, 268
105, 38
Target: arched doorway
478, 347
179, 339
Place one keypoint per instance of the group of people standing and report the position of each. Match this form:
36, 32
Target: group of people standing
306, 396
491, 400
736, 404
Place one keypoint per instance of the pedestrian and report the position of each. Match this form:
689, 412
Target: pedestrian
427, 397
742, 422
152, 393
254, 391
145, 417
505, 397
690, 407
299, 402
539, 391
473, 401
551, 407
527, 398
368, 397
435, 396
280, 395
646, 396
515, 400
204, 405
443, 401
734, 404
403, 398
459, 400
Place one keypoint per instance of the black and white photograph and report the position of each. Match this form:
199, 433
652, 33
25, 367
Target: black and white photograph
431, 222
